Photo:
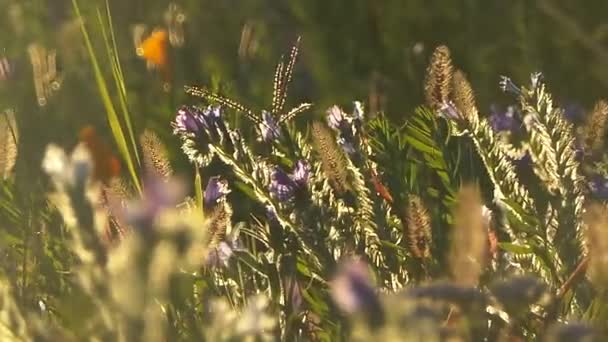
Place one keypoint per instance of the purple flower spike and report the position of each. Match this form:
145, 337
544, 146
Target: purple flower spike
220, 255
352, 289
215, 190
503, 121
448, 110
301, 173
281, 186
269, 128
188, 120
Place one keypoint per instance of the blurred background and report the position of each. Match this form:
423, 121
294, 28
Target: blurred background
373, 51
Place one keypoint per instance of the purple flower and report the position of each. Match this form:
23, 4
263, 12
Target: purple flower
599, 187
301, 173
216, 189
283, 186
188, 120
448, 110
219, 256
574, 112
352, 289
503, 121
159, 194
269, 128
346, 125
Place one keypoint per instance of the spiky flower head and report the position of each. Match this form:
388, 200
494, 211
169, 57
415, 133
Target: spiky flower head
332, 158
463, 97
9, 138
419, 230
596, 219
219, 212
438, 83
595, 127
155, 154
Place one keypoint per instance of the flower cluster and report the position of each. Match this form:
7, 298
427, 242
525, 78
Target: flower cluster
197, 128
284, 186
347, 126
504, 120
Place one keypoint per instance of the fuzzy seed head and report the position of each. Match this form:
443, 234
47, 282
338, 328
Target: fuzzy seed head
596, 219
463, 97
332, 157
8, 143
155, 155
419, 231
438, 81
595, 128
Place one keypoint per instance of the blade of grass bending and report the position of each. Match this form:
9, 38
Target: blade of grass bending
117, 131
198, 186
118, 75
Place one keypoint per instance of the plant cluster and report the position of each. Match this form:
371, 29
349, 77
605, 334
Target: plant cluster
452, 225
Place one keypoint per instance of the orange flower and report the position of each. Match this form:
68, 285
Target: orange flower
154, 49
107, 166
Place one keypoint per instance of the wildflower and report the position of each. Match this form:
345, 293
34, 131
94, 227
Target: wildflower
418, 228
595, 127
438, 82
352, 289
301, 173
463, 97
573, 112
503, 121
332, 158
508, 86
155, 154
599, 187
269, 128
159, 194
188, 120
219, 256
284, 186
68, 172
597, 242
448, 111
216, 190
346, 125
